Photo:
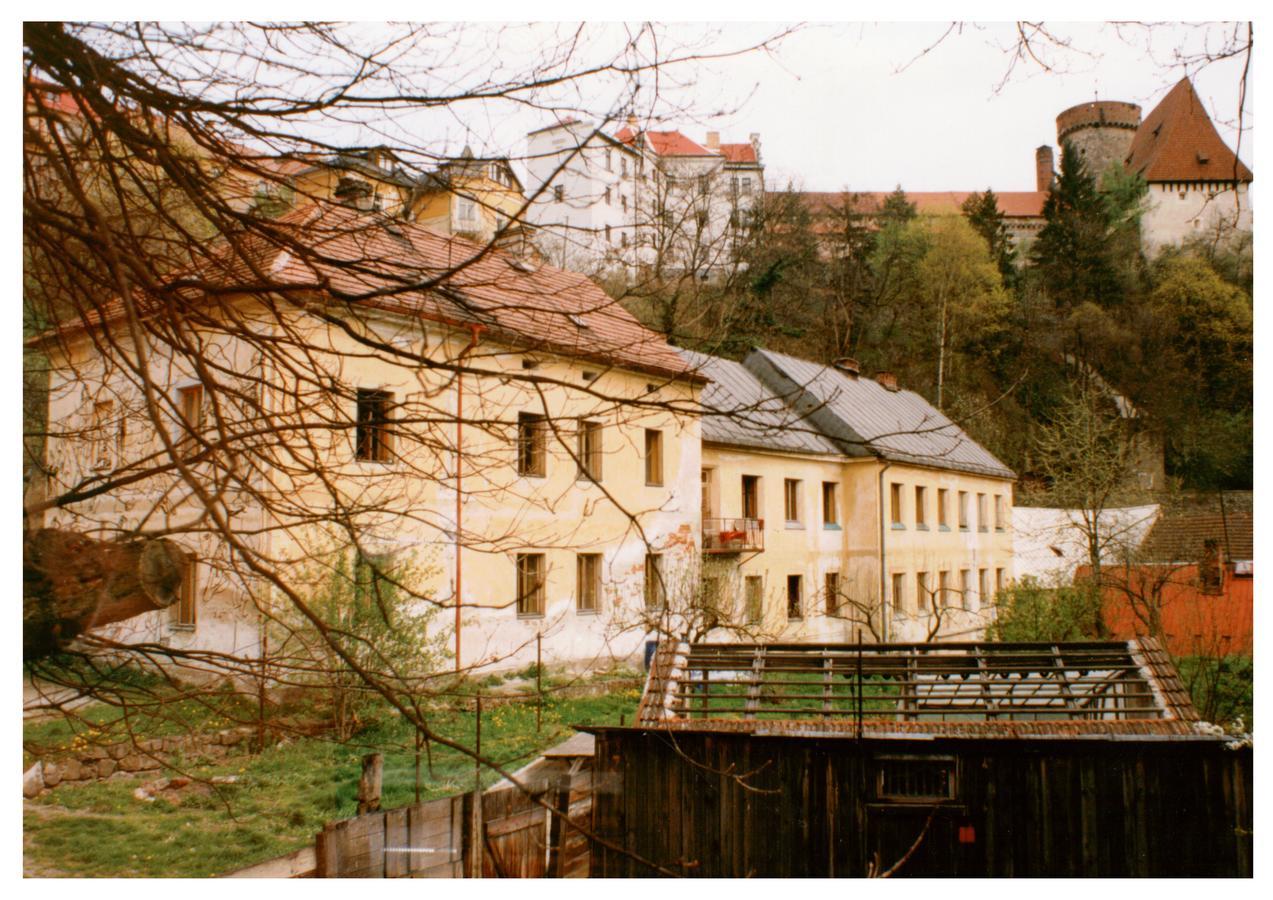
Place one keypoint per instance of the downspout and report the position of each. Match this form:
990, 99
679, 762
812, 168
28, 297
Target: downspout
885, 615
474, 331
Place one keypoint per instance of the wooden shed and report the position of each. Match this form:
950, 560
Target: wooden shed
920, 759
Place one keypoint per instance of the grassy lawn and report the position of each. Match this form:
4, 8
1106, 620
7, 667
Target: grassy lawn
283, 796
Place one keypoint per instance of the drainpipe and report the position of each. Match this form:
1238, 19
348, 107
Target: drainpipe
885, 614
474, 332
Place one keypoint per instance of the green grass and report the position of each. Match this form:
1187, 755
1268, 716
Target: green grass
285, 794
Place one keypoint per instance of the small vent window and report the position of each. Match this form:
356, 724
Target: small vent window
915, 779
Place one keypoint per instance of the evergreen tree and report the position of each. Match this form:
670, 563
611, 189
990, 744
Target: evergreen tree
896, 209
982, 212
1072, 253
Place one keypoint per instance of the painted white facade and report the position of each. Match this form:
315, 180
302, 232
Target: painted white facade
603, 205
1050, 544
1181, 211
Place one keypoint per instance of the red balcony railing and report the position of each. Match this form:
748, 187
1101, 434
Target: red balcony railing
733, 535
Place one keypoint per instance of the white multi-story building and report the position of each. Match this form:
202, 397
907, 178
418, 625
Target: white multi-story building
640, 199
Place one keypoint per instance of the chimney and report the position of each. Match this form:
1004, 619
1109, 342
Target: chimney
886, 380
632, 122
713, 140
1043, 168
848, 365
354, 193
754, 140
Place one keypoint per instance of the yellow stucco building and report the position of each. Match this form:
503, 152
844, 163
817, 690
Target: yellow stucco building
838, 506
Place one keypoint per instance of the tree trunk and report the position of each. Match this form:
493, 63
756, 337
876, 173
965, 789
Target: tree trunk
373, 767
72, 583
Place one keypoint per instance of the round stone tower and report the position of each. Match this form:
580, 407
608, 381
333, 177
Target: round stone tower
1101, 131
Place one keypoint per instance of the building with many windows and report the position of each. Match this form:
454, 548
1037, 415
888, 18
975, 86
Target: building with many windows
640, 198
836, 505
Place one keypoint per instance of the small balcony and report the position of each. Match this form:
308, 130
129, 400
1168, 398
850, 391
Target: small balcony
733, 535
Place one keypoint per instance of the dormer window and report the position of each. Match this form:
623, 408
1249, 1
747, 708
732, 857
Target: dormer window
1203, 159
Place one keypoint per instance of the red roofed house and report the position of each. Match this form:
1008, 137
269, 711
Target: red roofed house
419, 359
1197, 185
640, 197
1192, 580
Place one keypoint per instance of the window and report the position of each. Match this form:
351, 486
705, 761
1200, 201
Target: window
751, 496
607, 196
920, 508
530, 584
623, 239
895, 504
623, 202
915, 779
746, 187
753, 595
608, 169
190, 405
833, 592
609, 238
532, 440
1001, 517
733, 185
965, 588
373, 437
794, 597
921, 590
559, 193
372, 585
184, 615
943, 585
587, 581
999, 582
589, 450
983, 587
465, 211
830, 508
655, 588
623, 166
963, 510
708, 479
942, 499
653, 457
791, 500
983, 520
710, 602
899, 592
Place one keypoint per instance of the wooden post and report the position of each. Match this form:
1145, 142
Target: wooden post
477, 842
560, 802
373, 767
539, 684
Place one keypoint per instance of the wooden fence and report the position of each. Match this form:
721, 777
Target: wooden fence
520, 837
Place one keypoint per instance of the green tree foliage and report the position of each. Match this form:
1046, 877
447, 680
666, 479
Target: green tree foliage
1030, 611
983, 214
1072, 252
1200, 336
368, 610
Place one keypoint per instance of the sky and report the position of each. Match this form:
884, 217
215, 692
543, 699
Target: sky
838, 106
864, 106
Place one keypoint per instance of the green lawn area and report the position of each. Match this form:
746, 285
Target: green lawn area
284, 795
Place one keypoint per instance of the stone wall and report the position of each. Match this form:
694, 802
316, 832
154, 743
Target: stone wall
95, 762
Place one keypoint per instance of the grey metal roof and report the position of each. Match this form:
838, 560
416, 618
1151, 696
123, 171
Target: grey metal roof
865, 418
739, 409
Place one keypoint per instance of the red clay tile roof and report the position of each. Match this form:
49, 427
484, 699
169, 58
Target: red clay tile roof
1178, 142
370, 260
1013, 204
738, 153
664, 143
1182, 538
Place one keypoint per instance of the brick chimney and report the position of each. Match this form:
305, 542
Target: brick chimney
848, 365
713, 140
1043, 168
886, 380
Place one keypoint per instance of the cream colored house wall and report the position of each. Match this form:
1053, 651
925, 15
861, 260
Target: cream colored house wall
911, 548
811, 550
409, 506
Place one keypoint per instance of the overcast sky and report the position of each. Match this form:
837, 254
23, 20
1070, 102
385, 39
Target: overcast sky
838, 107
